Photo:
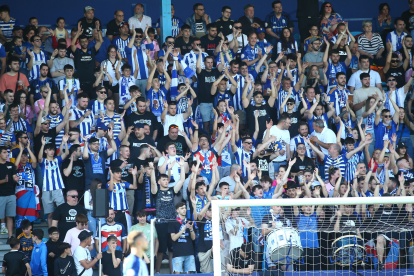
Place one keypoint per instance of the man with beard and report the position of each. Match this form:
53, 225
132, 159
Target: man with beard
56, 118
122, 40
139, 20
210, 41
9, 79
82, 117
408, 42
361, 95
89, 21
263, 159
182, 143
355, 83
393, 66
112, 228
43, 79
300, 138
126, 164
144, 117
85, 57
74, 171
135, 141
338, 95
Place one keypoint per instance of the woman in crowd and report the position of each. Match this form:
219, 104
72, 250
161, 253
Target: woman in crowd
384, 22
88, 199
316, 80
287, 43
26, 112
371, 44
328, 19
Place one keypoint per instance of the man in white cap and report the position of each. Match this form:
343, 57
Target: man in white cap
88, 22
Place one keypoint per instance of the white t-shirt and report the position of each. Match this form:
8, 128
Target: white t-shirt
177, 120
80, 255
176, 169
236, 240
145, 21
242, 41
355, 82
283, 137
327, 136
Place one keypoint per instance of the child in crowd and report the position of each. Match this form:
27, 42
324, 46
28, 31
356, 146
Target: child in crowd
53, 251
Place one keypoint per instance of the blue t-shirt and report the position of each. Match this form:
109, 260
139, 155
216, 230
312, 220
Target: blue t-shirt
308, 226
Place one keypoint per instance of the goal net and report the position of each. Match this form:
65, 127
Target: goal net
315, 236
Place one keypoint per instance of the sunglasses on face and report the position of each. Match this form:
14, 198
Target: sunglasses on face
45, 123
203, 140
394, 60
238, 28
301, 148
391, 80
249, 143
290, 103
36, 40
72, 134
102, 92
170, 42
73, 196
387, 116
198, 44
45, 91
138, 36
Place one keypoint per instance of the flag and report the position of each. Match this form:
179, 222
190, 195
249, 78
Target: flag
174, 83
187, 70
391, 260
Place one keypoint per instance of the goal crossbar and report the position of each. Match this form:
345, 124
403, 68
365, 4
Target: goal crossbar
217, 204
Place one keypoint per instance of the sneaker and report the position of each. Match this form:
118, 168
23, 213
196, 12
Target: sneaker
380, 266
4, 230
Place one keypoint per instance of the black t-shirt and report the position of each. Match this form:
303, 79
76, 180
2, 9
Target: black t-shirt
184, 47
135, 144
107, 264
205, 240
7, 169
263, 164
15, 263
88, 27
52, 247
398, 73
50, 137
205, 81
180, 144
138, 162
264, 111
85, 64
225, 27
65, 215
389, 218
76, 179
112, 29
408, 18
307, 8
126, 176
183, 246
295, 118
164, 202
146, 118
300, 164
208, 45
65, 267
239, 262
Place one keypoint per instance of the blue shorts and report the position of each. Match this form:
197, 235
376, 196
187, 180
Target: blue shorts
187, 262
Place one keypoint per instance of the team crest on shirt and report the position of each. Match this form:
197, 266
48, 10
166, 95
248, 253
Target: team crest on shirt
77, 173
73, 212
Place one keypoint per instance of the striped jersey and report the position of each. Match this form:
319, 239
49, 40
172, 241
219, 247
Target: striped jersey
97, 106
335, 38
124, 85
120, 45
191, 60
134, 266
117, 197
237, 98
396, 40
282, 95
277, 24
20, 125
351, 165
332, 71
240, 155
37, 83
52, 179
117, 230
141, 58
86, 125
370, 46
54, 122
39, 58
299, 139
7, 27
339, 162
339, 98
70, 83
176, 24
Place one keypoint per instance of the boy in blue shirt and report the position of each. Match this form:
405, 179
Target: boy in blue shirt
39, 254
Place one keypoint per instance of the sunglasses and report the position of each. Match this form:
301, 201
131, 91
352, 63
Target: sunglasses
203, 140
249, 143
45, 123
387, 116
198, 44
102, 92
45, 91
72, 134
172, 127
290, 103
170, 42
301, 148
394, 60
391, 80
24, 137
73, 196
238, 28
138, 36
37, 40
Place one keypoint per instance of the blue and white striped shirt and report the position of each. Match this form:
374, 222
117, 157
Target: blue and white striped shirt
237, 98
117, 197
176, 24
240, 155
142, 59
7, 27
352, 164
96, 106
135, 266
70, 83
124, 85
39, 58
86, 125
54, 122
277, 24
339, 98
299, 139
338, 162
396, 40
52, 179
120, 44
282, 95
191, 60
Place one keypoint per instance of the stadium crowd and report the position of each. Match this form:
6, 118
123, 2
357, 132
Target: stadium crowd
220, 110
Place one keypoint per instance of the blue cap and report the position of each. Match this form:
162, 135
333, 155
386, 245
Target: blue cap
260, 30
101, 126
139, 125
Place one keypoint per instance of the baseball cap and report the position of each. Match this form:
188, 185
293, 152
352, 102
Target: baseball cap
139, 125
401, 145
45, 119
260, 30
87, 8
101, 126
84, 235
314, 184
123, 23
313, 39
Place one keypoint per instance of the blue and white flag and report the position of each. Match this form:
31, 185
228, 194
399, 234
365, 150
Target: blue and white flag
174, 83
188, 72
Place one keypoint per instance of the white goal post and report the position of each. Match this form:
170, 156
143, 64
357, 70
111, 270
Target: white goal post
217, 204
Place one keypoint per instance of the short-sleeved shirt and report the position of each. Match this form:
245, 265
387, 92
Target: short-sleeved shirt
9, 82
85, 64
180, 144
183, 46
65, 214
81, 254
183, 246
7, 169
135, 144
208, 45
15, 263
205, 81
88, 27
355, 82
108, 265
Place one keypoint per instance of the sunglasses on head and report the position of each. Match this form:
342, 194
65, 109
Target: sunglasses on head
172, 127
